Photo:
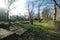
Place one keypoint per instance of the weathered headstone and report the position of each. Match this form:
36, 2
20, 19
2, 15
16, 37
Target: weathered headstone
7, 35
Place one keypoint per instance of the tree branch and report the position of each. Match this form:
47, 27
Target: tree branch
57, 5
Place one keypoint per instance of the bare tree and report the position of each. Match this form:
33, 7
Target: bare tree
55, 3
39, 12
8, 5
30, 11
28, 7
45, 13
55, 9
39, 5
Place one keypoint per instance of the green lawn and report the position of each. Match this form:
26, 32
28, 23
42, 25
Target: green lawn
39, 30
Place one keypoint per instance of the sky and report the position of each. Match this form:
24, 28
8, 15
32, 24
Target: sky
19, 7
2, 5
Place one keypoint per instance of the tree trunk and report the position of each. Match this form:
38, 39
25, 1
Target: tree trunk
39, 12
30, 18
55, 9
8, 17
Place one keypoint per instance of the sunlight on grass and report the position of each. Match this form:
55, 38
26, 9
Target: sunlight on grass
42, 24
37, 29
45, 26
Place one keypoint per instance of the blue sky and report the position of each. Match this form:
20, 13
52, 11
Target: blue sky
20, 6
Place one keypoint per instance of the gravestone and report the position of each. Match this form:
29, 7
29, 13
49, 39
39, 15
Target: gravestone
7, 35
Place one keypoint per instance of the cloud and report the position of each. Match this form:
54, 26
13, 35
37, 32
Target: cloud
2, 4
20, 7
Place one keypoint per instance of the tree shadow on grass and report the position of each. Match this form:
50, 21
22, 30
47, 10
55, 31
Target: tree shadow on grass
35, 34
57, 24
39, 31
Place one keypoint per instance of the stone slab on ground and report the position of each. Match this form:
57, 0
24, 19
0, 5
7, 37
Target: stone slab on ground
7, 35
